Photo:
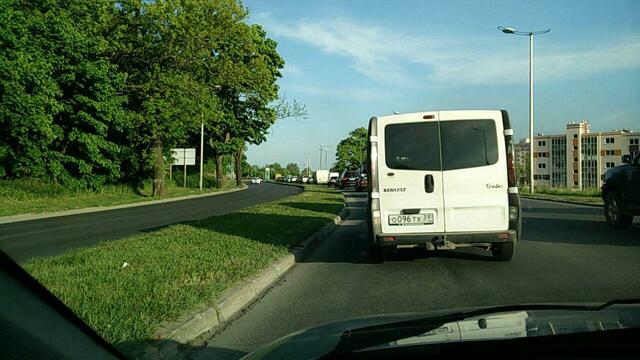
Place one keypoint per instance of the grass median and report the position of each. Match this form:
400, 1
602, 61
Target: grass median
171, 271
33, 196
589, 197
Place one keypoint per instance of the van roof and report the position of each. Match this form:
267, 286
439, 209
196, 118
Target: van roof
431, 111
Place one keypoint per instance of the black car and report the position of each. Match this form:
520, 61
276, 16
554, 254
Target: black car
621, 192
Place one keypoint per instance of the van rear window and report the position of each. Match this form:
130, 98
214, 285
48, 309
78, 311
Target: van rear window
412, 146
465, 144
468, 143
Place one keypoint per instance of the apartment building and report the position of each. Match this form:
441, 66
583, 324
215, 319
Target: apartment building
579, 158
521, 150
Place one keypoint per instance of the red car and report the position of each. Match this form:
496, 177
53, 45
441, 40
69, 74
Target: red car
347, 179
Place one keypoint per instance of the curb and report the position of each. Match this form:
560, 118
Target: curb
45, 215
561, 201
301, 186
233, 301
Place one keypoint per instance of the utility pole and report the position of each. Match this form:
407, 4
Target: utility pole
323, 149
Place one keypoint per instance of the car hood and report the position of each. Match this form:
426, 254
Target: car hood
539, 320
616, 170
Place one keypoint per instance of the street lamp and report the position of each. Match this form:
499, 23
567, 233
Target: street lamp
201, 149
531, 34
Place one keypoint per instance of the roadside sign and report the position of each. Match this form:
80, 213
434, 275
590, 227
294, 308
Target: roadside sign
183, 156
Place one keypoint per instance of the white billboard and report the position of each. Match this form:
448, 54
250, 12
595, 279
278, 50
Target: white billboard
183, 156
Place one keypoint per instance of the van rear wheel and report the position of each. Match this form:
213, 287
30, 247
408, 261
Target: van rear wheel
503, 251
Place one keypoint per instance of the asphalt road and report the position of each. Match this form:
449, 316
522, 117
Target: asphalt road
567, 254
51, 236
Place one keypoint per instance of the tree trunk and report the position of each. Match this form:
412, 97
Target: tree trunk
158, 168
239, 167
219, 172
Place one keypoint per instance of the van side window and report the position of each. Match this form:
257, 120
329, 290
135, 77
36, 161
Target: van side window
412, 146
468, 143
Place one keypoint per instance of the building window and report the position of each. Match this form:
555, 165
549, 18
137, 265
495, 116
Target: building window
575, 171
634, 141
609, 140
610, 165
575, 136
542, 166
575, 148
575, 159
609, 152
542, 143
546, 177
575, 183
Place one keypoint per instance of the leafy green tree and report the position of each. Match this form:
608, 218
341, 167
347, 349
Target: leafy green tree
164, 46
61, 114
276, 168
351, 151
293, 169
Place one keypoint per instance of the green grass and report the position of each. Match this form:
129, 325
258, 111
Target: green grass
177, 268
34, 196
587, 196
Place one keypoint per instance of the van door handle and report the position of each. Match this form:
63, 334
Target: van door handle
428, 183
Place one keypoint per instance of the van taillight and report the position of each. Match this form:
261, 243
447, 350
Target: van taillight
511, 171
511, 166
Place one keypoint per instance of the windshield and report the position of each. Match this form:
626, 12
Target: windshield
210, 176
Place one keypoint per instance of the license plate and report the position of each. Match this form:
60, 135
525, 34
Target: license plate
413, 219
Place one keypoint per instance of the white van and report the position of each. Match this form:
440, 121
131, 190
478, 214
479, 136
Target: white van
443, 180
322, 176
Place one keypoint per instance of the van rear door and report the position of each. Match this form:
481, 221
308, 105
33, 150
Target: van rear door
474, 171
410, 178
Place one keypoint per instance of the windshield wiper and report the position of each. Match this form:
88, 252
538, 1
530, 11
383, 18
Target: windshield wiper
364, 337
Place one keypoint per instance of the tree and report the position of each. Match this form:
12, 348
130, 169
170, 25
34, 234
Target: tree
60, 98
293, 169
166, 48
351, 151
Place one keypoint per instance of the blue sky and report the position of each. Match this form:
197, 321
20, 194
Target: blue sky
350, 60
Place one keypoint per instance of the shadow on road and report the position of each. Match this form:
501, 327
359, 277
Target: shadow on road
583, 232
566, 210
217, 353
170, 349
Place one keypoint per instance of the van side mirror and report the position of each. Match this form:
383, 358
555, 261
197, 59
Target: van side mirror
626, 159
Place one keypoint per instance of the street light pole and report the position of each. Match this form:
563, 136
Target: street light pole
531, 187
201, 149
531, 34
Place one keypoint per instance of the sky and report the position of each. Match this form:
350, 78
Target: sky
350, 60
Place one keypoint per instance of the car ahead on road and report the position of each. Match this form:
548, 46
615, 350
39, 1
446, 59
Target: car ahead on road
621, 192
256, 180
555, 331
322, 177
443, 180
333, 179
361, 183
347, 179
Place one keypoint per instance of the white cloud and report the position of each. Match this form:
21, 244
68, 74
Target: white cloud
385, 54
292, 69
